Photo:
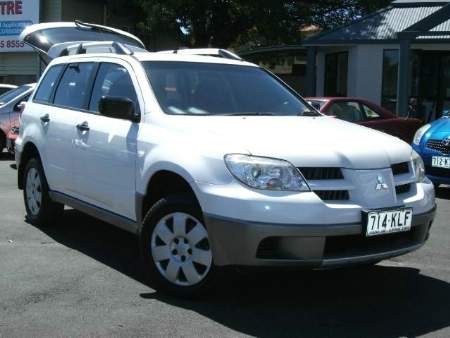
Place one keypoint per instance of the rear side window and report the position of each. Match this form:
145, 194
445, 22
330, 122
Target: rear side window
370, 113
73, 89
112, 80
44, 92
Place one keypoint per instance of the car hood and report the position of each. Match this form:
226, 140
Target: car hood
304, 141
439, 129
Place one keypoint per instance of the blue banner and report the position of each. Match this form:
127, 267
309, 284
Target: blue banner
13, 28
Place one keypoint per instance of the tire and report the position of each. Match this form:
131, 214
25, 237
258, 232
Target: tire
41, 210
2, 141
175, 250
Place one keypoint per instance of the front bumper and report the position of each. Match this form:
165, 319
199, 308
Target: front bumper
244, 243
436, 175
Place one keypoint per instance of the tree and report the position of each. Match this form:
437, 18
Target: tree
221, 23
329, 14
236, 23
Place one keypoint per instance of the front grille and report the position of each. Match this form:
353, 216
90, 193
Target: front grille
317, 173
402, 189
356, 245
439, 145
333, 195
437, 171
400, 168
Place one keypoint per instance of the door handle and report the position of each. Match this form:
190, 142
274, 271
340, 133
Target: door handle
45, 118
83, 126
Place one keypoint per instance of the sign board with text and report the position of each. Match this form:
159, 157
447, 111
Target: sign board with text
15, 15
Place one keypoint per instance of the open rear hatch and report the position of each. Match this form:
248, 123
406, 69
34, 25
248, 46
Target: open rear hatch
56, 39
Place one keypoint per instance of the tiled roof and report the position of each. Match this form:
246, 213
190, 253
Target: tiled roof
380, 26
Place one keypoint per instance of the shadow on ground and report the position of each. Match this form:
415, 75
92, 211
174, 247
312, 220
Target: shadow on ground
6, 156
360, 302
443, 192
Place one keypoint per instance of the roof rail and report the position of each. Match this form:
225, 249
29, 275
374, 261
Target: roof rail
217, 52
71, 48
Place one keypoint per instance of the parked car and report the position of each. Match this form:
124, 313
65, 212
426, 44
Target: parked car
367, 114
6, 88
211, 161
432, 142
10, 109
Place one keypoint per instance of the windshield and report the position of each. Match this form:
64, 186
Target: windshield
192, 88
12, 94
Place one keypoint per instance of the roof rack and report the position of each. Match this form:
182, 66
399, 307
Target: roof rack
71, 48
217, 52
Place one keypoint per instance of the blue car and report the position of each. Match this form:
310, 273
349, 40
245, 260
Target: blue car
432, 142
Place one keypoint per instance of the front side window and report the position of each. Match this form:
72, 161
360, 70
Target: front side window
336, 72
73, 89
44, 92
193, 88
348, 111
112, 80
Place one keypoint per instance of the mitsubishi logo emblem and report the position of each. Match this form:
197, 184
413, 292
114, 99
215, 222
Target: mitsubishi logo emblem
381, 185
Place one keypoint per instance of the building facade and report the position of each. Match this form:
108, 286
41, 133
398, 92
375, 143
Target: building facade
22, 65
398, 57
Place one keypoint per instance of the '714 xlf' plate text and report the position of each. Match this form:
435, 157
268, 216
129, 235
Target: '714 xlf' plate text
381, 222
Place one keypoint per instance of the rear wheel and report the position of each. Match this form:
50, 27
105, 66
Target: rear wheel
175, 248
41, 210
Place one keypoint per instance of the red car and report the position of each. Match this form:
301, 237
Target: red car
368, 114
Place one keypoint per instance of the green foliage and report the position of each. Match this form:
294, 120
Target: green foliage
239, 23
329, 14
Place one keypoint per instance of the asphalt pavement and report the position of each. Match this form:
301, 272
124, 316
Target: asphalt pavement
83, 279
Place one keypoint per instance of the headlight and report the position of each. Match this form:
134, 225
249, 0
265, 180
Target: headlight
265, 173
419, 166
420, 132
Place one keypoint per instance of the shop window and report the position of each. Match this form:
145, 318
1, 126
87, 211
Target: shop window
390, 76
336, 71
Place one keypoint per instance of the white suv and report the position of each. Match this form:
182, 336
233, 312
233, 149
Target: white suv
212, 161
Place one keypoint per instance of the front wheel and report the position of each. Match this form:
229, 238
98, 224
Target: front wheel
176, 249
41, 210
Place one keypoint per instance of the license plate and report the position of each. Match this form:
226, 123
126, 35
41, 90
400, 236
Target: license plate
440, 162
380, 222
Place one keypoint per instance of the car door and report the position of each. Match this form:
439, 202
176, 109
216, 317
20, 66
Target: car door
58, 111
377, 119
105, 147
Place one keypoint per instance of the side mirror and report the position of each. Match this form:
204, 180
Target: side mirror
445, 113
18, 108
118, 108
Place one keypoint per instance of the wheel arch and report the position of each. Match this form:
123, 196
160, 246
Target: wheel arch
29, 151
163, 183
